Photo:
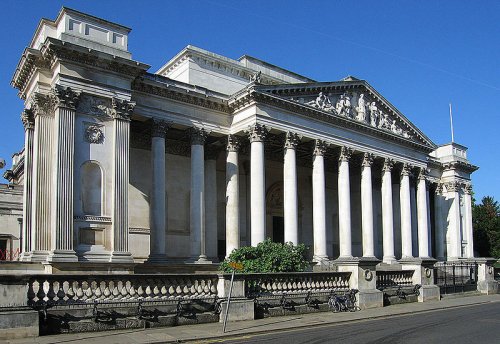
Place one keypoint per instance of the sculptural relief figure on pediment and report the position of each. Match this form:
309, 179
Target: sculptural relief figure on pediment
395, 128
361, 108
321, 102
374, 114
383, 122
343, 106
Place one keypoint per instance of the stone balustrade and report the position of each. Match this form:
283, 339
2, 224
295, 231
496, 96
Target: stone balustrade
295, 283
68, 289
400, 278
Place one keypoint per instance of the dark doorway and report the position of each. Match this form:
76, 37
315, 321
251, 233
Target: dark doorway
278, 229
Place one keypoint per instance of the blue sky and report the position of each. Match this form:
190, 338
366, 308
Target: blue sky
420, 55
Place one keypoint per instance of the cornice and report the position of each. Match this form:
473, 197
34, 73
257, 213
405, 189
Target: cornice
460, 166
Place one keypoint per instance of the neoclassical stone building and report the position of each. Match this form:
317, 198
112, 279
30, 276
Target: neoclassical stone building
209, 154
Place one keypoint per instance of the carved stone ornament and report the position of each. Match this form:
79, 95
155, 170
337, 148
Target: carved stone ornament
197, 135
274, 199
256, 77
42, 104
406, 169
159, 128
122, 109
343, 106
257, 132
388, 165
94, 106
468, 189
94, 134
322, 102
368, 159
320, 147
292, 140
28, 119
422, 174
345, 154
65, 97
233, 143
439, 189
453, 186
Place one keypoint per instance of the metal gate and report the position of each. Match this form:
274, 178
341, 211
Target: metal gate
455, 277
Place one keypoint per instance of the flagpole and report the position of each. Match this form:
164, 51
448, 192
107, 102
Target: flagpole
451, 123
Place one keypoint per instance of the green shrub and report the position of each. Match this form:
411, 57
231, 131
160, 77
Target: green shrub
268, 256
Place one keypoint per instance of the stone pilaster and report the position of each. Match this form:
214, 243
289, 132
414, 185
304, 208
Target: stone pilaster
423, 215
344, 204
319, 200
257, 135
66, 101
232, 195
404, 195
28, 119
157, 239
197, 207
290, 205
367, 206
121, 111
387, 212
469, 252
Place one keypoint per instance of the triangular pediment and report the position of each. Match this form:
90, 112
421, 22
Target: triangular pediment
351, 101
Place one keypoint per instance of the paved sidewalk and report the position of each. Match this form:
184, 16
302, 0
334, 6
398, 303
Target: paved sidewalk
242, 328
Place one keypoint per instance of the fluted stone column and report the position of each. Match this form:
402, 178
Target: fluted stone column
469, 252
211, 242
257, 135
367, 206
232, 195
387, 212
423, 215
157, 238
319, 200
197, 212
438, 221
28, 119
42, 177
344, 204
404, 195
454, 224
66, 101
290, 205
121, 112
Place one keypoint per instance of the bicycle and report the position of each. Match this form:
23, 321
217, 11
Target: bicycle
343, 303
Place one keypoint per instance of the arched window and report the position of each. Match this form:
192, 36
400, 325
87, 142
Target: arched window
91, 191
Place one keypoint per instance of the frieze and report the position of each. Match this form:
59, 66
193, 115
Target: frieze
94, 106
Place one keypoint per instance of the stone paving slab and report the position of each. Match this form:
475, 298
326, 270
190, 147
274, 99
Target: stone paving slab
241, 328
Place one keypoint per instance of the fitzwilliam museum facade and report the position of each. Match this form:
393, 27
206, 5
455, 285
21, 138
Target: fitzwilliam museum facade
180, 166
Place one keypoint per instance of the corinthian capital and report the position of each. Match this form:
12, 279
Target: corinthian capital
367, 160
197, 136
159, 128
122, 109
422, 174
406, 169
65, 97
233, 143
28, 119
345, 154
257, 132
453, 186
319, 147
468, 188
42, 104
292, 140
388, 165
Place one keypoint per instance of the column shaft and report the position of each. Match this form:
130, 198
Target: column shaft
211, 241
422, 209
290, 206
344, 204
29, 125
367, 206
319, 200
438, 222
157, 238
404, 194
387, 212
454, 250
232, 196
257, 184
468, 221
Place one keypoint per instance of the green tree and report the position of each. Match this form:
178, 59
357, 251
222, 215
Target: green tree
486, 223
268, 256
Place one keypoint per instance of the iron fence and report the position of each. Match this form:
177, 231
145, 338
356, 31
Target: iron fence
455, 277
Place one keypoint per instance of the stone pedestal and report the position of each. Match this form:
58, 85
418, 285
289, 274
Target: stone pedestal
364, 278
486, 283
240, 308
424, 275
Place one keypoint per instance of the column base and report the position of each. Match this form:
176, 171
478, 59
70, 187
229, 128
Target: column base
62, 256
25, 257
39, 256
320, 259
389, 260
156, 259
202, 259
120, 257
